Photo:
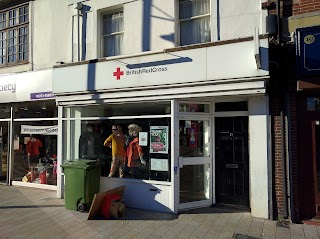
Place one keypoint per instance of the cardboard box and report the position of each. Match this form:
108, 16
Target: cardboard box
95, 209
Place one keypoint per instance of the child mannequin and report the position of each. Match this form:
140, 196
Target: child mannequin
116, 141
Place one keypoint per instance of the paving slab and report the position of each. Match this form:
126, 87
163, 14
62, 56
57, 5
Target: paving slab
37, 213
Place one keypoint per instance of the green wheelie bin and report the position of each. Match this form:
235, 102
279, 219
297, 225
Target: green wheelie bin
82, 182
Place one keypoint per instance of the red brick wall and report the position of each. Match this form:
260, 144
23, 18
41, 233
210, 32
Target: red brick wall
276, 106
305, 6
282, 91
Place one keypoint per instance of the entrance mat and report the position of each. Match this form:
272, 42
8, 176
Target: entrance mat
240, 236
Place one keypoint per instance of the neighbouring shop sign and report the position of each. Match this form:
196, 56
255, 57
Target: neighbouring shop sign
42, 95
26, 86
159, 139
46, 130
308, 45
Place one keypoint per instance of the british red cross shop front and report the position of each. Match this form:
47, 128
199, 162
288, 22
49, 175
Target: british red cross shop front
195, 115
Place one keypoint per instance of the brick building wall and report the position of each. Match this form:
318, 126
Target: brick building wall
283, 103
283, 98
276, 107
305, 6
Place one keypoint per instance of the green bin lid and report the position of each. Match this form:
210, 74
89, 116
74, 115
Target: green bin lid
80, 163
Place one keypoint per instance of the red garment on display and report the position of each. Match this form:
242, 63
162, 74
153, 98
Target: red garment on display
133, 151
105, 209
33, 147
43, 177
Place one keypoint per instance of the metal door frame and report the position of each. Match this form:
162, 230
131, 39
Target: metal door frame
195, 161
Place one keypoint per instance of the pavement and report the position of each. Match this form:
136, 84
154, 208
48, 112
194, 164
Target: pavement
36, 213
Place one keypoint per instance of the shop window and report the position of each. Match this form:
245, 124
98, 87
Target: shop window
186, 107
91, 140
36, 109
35, 152
194, 19
5, 111
112, 33
231, 106
106, 110
313, 104
14, 34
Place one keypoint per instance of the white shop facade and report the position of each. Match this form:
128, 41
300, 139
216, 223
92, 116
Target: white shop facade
203, 114
28, 110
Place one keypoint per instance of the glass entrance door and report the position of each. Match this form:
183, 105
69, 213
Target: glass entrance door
195, 163
4, 152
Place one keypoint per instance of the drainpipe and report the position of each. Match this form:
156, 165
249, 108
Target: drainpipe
289, 160
284, 177
31, 34
270, 173
79, 8
279, 23
72, 37
218, 20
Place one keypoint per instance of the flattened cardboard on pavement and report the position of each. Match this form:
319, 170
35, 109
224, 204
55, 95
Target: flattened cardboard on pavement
95, 209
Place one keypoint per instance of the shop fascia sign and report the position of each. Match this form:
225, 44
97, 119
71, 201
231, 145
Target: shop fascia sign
26, 86
149, 67
118, 73
43, 130
8, 87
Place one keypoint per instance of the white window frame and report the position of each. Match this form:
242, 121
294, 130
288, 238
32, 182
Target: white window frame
15, 26
191, 19
103, 36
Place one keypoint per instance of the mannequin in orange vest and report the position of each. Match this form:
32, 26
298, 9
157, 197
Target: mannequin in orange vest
134, 151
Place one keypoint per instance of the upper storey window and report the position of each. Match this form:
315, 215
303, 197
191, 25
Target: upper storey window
14, 28
112, 33
194, 18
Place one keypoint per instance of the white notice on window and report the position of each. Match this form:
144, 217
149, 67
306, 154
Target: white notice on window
143, 138
159, 164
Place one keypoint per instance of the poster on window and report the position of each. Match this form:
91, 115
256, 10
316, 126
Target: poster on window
159, 165
159, 139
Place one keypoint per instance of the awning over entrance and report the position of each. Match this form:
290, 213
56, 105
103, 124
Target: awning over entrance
250, 86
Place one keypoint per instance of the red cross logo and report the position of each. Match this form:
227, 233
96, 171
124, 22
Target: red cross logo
118, 73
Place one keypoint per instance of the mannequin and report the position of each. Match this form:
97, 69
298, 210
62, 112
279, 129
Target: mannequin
134, 151
32, 148
89, 144
116, 141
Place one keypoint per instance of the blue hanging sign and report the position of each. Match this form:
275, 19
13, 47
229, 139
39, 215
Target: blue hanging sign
308, 50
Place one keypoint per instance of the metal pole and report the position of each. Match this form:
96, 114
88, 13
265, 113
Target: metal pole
78, 16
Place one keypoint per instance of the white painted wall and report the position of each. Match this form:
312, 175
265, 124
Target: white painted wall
239, 18
53, 27
258, 154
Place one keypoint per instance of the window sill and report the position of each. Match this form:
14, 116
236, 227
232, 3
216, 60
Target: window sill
14, 64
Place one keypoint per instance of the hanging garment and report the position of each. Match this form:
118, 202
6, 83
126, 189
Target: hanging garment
33, 146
